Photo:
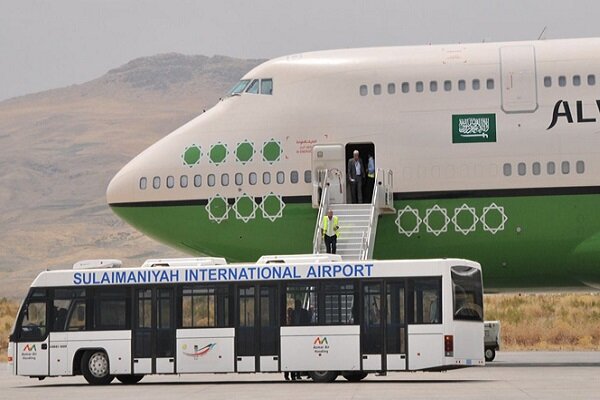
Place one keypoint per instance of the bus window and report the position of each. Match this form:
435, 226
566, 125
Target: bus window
301, 305
339, 304
111, 309
467, 293
205, 307
427, 301
63, 307
395, 318
77, 318
33, 325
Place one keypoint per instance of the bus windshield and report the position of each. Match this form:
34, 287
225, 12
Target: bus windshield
467, 293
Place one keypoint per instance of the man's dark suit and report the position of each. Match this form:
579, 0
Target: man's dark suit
356, 181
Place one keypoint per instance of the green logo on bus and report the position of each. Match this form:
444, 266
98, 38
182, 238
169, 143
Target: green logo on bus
474, 128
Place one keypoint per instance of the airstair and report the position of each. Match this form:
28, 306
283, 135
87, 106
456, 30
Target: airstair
358, 222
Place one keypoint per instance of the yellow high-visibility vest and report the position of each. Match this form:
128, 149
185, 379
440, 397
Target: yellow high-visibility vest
326, 225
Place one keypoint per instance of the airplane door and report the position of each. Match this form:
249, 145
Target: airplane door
330, 157
518, 72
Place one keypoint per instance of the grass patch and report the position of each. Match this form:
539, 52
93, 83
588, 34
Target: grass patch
556, 321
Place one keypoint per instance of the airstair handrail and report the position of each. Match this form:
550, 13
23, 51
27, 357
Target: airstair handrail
323, 205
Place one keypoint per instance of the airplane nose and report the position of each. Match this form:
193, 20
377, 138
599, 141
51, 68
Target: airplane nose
120, 188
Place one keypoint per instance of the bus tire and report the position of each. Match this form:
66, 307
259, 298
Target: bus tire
129, 379
354, 376
490, 354
323, 376
96, 368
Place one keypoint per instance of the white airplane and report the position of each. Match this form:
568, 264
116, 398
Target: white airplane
484, 151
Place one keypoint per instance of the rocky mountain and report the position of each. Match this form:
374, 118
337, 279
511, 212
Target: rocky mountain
60, 148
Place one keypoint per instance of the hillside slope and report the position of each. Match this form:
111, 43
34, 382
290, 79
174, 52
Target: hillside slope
60, 148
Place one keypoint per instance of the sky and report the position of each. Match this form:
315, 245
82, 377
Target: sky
47, 44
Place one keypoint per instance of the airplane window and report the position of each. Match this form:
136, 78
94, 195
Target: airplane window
565, 167
294, 176
580, 167
183, 181
489, 84
156, 182
280, 177
433, 86
551, 168
547, 81
462, 85
591, 80
391, 88
476, 84
521, 169
225, 179
363, 90
197, 180
308, 176
562, 81
252, 178
405, 87
447, 86
143, 183
576, 80
253, 88
419, 86
170, 182
266, 86
239, 178
377, 89
239, 87
507, 169
536, 168
266, 178
211, 180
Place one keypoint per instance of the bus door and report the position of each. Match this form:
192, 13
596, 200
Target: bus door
32, 346
154, 331
372, 327
395, 325
257, 329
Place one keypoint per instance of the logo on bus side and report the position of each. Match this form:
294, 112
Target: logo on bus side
321, 345
198, 351
474, 128
29, 348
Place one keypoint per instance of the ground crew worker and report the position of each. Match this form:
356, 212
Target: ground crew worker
330, 230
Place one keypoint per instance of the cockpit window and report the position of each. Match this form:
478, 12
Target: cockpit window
266, 86
253, 88
239, 87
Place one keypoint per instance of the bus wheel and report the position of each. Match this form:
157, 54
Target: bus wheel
129, 379
354, 376
95, 368
323, 376
490, 354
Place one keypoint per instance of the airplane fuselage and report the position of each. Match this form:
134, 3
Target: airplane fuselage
494, 149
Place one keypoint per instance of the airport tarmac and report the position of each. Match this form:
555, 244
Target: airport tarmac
522, 375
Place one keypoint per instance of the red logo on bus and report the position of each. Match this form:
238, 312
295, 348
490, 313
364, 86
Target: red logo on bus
29, 347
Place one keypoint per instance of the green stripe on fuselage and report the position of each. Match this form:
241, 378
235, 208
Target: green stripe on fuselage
541, 242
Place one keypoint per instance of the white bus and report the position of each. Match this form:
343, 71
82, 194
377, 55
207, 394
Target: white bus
313, 314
